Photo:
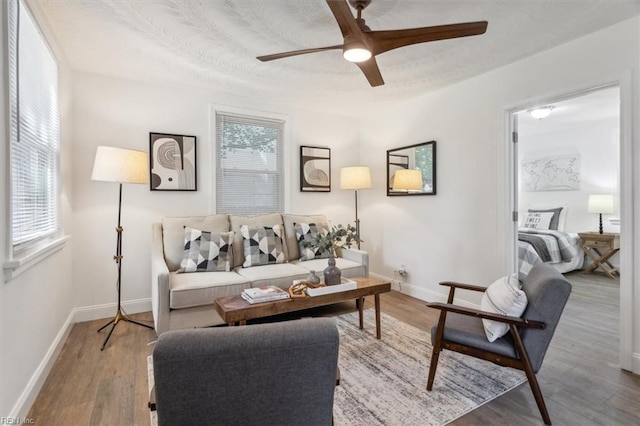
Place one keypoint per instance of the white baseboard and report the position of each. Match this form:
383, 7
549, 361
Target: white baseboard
108, 310
30, 392
423, 293
86, 313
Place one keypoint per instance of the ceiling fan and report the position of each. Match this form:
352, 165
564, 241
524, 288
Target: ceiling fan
361, 45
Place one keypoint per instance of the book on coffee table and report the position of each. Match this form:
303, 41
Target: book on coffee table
264, 294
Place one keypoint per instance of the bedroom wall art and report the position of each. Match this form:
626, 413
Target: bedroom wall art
555, 173
172, 161
315, 169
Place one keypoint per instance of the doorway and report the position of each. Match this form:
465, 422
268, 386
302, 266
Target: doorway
560, 160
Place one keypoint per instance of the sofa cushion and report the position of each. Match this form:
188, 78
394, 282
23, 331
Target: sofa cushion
262, 245
173, 234
236, 222
281, 274
291, 242
348, 268
206, 251
189, 290
307, 233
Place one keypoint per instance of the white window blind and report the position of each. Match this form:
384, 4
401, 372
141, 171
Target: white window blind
249, 164
35, 129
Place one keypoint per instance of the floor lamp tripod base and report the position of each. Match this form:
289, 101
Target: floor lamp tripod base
119, 317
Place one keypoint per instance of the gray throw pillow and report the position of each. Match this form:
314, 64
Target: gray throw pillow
555, 220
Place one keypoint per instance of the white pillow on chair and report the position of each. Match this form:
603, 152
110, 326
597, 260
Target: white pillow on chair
503, 297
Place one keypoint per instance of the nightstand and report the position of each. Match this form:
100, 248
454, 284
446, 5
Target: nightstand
600, 248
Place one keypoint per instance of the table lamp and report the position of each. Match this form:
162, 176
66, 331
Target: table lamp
600, 203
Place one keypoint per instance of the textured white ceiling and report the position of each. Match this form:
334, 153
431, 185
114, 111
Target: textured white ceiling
215, 42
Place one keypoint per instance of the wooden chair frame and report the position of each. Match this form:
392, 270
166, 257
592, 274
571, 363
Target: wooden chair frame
522, 363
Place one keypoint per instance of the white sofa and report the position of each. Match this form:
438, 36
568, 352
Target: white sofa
185, 300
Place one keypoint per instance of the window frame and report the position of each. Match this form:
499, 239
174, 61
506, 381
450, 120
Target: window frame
22, 256
214, 109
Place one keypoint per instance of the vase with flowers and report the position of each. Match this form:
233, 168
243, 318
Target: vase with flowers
327, 242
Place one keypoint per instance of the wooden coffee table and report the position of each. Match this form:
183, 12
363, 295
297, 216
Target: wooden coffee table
235, 310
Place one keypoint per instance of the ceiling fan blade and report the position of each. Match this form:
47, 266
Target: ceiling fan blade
383, 41
266, 58
342, 12
371, 71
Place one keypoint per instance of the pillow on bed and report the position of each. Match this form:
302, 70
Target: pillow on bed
503, 297
555, 220
537, 220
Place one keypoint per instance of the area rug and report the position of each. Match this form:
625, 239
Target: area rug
383, 382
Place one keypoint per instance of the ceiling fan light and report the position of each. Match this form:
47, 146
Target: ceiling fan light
355, 50
357, 55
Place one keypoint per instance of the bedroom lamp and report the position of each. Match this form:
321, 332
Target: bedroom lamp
600, 203
407, 180
355, 177
121, 166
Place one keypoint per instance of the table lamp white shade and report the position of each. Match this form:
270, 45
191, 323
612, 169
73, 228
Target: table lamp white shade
407, 180
355, 177
120, 165
600, 203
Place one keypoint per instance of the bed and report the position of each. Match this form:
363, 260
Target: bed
540, 240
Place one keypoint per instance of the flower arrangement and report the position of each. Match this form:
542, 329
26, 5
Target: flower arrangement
337, 236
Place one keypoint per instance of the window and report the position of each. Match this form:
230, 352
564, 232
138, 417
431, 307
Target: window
249, 164
34, 131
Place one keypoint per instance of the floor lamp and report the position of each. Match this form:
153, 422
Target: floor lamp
355, 177
122, 166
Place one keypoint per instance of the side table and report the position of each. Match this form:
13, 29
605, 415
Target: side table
600, 248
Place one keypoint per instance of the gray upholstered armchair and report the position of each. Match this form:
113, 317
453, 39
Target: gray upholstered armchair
460, 329
280, 373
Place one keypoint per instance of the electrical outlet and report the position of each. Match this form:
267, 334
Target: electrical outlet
402, 271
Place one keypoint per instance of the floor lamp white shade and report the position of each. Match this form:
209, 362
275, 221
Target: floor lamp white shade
355, 177
120, 165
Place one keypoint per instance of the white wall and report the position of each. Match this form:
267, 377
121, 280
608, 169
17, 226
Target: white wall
597, 142
36, 305
115, 112
459, 234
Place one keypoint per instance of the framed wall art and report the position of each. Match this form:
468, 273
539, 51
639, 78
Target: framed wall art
172, 162
315, 169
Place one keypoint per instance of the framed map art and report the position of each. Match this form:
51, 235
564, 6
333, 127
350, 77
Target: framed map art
556, 173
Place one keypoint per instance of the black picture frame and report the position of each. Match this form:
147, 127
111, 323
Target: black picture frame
172, 162
418, 156
315, 169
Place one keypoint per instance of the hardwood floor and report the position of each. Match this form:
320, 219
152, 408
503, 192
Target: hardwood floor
580, 378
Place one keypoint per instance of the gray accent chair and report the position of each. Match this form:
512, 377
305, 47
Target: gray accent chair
266, 374
460, 329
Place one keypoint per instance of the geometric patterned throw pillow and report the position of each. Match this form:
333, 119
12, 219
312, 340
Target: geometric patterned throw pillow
206, 251
262, 245
306, 233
